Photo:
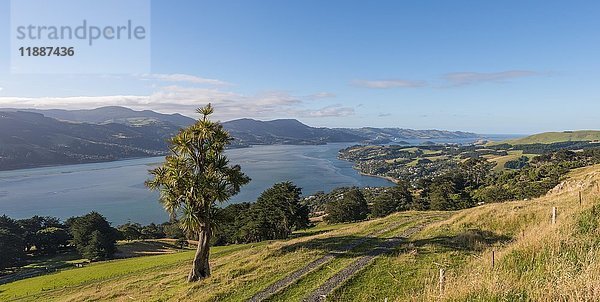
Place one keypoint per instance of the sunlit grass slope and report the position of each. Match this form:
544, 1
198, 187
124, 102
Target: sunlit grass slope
535, 260
239, 271
557, 137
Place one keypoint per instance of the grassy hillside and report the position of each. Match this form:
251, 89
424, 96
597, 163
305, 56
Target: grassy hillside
556, 137
239, 271
534, 259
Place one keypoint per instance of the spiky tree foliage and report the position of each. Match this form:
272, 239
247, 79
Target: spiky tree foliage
194, 178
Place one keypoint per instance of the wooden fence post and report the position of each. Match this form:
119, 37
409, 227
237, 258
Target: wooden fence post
442, 281
553, 215
580, 199
493, 258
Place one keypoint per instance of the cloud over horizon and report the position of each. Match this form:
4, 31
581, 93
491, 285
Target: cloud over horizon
321, 95
183, 78
185, 100
469, 78
452, 79
336, 110
386, 84
183, 93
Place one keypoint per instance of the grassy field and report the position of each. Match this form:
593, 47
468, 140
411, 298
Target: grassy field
239, 271
556, 137
501, 160
535, 260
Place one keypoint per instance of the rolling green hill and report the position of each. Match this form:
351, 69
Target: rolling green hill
397, 257
557, 137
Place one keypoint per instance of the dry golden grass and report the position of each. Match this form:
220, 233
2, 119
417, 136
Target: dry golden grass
543, 262
534, 259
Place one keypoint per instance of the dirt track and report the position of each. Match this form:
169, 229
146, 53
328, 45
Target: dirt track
296, 275
320, 294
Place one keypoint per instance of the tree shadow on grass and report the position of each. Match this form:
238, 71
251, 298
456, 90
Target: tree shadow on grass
341, 246
150, 247
307, 233
469, 240
355, 246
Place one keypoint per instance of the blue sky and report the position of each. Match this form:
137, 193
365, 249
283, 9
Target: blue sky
483, 66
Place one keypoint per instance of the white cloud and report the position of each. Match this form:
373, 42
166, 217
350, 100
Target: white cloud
386, 84
452, 79
79, 102
321, 95
185, 100
328, 111
468, 78
183, 78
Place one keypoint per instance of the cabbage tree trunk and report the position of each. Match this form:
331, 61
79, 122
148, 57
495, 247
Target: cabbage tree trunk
200, 267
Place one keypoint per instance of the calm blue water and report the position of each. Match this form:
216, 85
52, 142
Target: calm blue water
116, 189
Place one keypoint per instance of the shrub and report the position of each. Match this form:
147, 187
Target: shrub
351, 207
93, 236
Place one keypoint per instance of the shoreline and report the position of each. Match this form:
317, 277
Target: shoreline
388, 178
230, 148
77, 164
131, 158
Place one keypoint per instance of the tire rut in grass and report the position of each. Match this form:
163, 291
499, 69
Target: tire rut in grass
320, 294
296, 275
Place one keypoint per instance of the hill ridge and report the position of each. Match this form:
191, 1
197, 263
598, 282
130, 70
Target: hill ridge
557, 137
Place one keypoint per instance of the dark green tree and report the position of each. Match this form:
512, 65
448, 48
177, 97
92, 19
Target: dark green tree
394, 199
99, 246
173, 230
518, 163
474, 171
230, 220
50, 239
130, 231
351, 207
152, 231
277, 212
93, 236
12, 244
31, 227
440, 195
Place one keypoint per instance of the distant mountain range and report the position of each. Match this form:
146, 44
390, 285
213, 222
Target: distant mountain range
30, 139
290, 131
285, 132
112, 114
33, 138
